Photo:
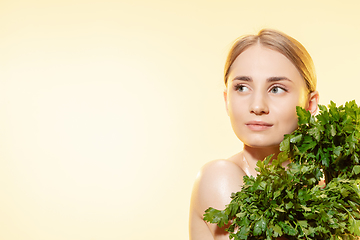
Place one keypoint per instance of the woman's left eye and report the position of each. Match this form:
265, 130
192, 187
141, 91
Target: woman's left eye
277, 90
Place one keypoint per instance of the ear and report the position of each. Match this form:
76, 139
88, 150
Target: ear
225, 99
313, 101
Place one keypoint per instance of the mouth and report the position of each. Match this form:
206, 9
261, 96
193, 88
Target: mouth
258, 125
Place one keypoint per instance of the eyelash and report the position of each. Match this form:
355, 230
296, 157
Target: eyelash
281, 87
240, 85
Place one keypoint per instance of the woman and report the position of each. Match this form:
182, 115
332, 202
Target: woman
266, 76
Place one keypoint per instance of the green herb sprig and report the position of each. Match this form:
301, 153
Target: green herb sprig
330, 140
289, 202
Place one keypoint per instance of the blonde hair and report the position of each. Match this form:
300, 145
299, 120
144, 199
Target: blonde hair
282, 43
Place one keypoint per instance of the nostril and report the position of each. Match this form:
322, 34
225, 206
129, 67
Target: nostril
258, 105
259, 110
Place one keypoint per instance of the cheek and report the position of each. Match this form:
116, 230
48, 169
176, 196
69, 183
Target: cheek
302, 96
235, 105
236, 114
288, 120
292, 124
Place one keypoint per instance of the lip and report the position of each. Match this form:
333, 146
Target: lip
258, 125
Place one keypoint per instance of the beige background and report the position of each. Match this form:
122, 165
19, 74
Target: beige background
109, 108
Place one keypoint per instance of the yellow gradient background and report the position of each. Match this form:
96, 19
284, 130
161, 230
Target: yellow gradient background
109, 108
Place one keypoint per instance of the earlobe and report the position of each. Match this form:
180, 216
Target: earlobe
313, 102
226, 103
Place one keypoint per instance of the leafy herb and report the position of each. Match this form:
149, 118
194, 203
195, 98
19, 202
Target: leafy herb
330, 140
289, 202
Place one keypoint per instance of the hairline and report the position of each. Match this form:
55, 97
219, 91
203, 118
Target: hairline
252, 40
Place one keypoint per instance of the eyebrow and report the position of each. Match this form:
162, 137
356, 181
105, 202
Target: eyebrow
270, 79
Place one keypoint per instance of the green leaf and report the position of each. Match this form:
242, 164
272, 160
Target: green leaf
285, 144
356, 169
354, 226
277, 193
337, 150
244, 232
295, 139
310, 146
277, 231
259, 227
290, 194
303, 223
303, 115
216, 216
288, 229
356, 159
332, 130
307, 209
315, 132
344, 192
289, 205
279, 209
325, 160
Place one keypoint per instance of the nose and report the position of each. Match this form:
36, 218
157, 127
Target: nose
259, 104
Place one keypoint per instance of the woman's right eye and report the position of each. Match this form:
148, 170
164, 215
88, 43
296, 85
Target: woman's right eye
241, 88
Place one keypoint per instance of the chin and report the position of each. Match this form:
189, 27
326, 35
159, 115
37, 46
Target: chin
262, 143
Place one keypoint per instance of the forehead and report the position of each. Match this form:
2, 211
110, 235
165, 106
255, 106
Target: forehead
259, 61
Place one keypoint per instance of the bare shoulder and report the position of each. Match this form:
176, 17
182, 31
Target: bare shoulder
220, 168
212, 188
216, 181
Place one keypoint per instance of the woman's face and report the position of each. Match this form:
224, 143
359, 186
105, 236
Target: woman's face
263, 90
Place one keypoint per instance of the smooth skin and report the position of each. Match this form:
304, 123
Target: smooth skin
263, 90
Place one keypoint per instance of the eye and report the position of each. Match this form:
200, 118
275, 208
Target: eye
277, 90
241, 88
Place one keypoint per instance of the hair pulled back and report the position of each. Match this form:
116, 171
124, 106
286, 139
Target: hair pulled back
282, 43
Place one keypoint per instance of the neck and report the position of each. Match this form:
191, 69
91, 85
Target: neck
255, 154
249, 156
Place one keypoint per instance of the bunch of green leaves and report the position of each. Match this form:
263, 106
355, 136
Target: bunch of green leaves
330, 139
289, 202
